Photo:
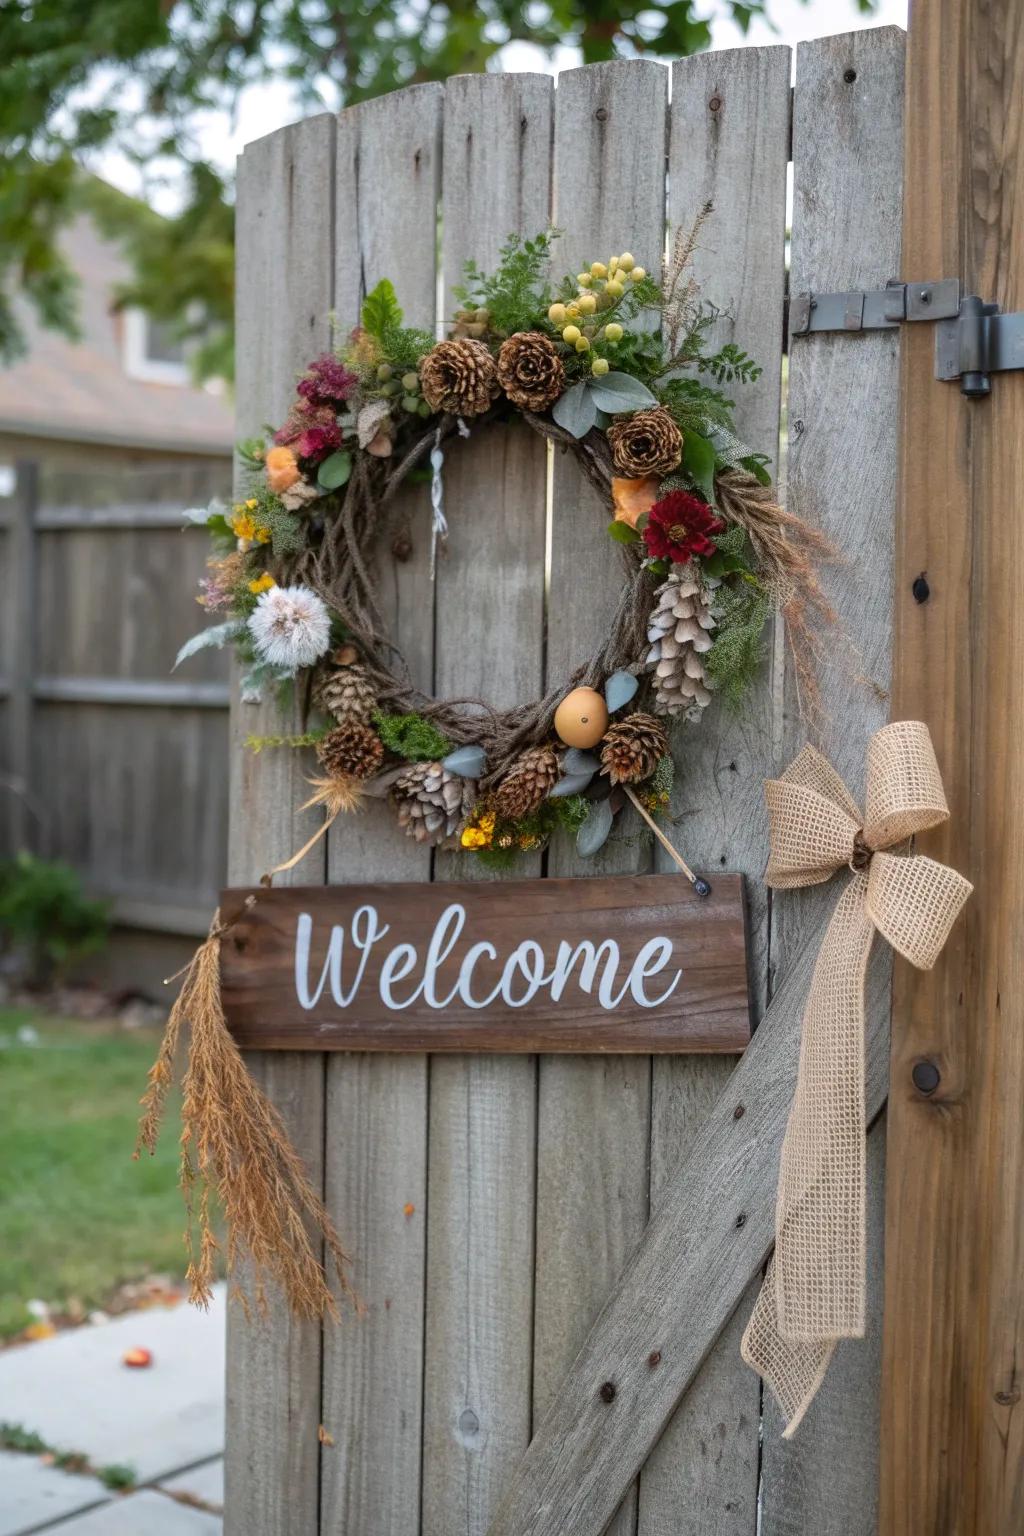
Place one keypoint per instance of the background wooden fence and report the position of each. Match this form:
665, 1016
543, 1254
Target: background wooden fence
531, 1179
107, 760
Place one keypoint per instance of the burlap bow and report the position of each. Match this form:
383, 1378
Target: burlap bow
813, 1293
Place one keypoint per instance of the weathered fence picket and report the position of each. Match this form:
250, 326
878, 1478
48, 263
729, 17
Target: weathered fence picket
848, 176
496, 1205
285, 297
729, 144
376, 1166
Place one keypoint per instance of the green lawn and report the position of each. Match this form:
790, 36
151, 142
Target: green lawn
77, 1216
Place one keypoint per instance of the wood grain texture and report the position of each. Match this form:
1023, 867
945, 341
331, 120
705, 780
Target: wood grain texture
285, 269
594, 1116
20, 552
388, 181
708, 1237
489, 640
728, 144
847, 136
622, 965
952, 1422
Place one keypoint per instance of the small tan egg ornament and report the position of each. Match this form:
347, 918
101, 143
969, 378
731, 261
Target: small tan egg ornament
582, 718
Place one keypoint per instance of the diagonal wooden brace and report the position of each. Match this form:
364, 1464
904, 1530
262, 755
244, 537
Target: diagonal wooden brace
710, 1236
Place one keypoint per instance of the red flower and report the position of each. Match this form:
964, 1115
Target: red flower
327, 382
318, 442
679, 527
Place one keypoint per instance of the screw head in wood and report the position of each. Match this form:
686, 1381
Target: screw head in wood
926, 1076
920, 589
607, 1392
701, 887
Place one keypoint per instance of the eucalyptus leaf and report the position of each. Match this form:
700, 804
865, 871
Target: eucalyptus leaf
699, 463
217, 636
618, 392
570, 784
334, 471
619, 689
467, 762
576, 761
576, 410
594, 832
201, 515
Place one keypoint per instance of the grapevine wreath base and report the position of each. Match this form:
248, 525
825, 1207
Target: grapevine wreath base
609, 367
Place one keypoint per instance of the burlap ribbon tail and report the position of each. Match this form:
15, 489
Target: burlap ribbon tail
814, 1290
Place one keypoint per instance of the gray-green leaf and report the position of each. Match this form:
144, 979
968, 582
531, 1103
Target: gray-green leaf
594, 832
619, 689
576, 410
217, 636
578, 761
570, 784
467, 762
618, 392
334, 472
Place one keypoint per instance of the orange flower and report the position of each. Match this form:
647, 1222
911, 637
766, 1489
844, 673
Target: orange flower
632, 498
282, 470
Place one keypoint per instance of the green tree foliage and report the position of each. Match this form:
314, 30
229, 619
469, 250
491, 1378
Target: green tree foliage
137, 76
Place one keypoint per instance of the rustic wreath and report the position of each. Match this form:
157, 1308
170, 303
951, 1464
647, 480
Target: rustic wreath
708, 552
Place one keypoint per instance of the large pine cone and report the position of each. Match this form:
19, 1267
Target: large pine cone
432, 803
530, 371
648, 443
633, 748
459, 377
351, 751
347, 693
530, 780
679, 630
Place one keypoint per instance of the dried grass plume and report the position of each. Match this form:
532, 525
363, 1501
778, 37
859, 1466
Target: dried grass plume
234, 1141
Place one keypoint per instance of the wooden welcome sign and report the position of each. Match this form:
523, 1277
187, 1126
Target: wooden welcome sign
636, 963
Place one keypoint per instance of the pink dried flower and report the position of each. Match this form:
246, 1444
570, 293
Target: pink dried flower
301, 417
318, 442
327, 382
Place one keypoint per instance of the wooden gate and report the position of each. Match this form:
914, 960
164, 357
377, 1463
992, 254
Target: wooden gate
493, 1202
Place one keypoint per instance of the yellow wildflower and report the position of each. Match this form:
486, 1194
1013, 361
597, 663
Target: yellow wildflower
245, 526
251, 503
262, 583
472, 837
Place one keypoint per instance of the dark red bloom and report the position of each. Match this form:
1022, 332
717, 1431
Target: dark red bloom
327, 382
679, 527
318, 442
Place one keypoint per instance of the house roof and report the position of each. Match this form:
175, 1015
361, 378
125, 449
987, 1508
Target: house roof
81, 391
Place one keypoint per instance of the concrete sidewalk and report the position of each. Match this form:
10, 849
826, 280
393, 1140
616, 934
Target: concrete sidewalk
166, 1423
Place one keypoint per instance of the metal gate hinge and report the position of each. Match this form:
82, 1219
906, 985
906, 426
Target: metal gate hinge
972, 339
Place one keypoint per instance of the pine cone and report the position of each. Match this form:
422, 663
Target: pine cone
351, 751
633, 748
530, 780
459, 377
432, 803
648, 443
679, 630
347, 693
530, 371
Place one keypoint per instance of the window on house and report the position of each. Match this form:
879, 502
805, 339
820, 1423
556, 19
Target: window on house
152, 352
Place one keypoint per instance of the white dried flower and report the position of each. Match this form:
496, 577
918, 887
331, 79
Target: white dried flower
290, 627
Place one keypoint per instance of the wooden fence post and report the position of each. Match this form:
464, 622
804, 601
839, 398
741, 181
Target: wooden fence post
21, 536
953, 1425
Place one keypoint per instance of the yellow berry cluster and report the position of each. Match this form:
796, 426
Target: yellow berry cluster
601, 288
479, 833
